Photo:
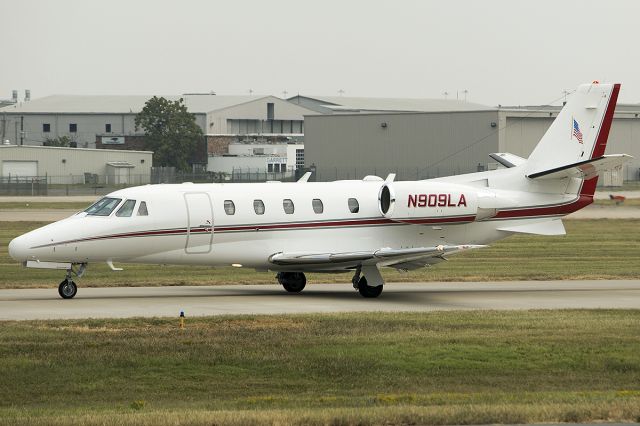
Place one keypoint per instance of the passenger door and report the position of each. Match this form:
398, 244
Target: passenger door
199, 222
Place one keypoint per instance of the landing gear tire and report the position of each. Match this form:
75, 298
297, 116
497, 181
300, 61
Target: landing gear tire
293, 282
67, 289
368, 291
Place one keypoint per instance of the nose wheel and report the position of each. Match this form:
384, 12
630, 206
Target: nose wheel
67, 289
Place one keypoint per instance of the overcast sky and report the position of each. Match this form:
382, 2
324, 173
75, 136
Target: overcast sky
501, 51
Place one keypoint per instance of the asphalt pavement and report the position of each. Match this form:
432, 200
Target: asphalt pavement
125, 302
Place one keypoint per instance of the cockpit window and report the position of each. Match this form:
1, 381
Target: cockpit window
103, 207
142, 210
127, 209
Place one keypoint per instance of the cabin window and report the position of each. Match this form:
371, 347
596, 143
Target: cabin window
142, 210
103, 207
288, 206
354, 207
127, 209
258, 206
318, 207
229, 207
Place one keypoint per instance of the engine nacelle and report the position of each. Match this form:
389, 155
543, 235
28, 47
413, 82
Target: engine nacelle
427, 202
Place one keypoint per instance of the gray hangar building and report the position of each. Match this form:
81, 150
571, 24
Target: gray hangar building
425, 138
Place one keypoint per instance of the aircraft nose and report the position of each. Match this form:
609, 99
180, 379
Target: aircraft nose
18, 249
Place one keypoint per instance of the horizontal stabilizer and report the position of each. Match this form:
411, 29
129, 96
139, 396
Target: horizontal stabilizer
550, 227
586, 169
508, 160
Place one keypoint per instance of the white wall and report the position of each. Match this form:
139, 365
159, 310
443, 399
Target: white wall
76, 161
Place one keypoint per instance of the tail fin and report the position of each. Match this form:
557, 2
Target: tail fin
578, 134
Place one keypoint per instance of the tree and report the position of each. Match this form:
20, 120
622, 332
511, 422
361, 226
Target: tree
171, 132
60, 141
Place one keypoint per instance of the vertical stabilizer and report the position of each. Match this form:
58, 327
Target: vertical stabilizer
580, 131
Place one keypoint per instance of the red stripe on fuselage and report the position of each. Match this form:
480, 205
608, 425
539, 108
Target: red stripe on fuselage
562, 209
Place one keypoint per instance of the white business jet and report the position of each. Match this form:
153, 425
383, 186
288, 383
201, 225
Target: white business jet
352, 226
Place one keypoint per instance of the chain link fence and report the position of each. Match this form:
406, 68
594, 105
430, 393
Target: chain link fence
102, 184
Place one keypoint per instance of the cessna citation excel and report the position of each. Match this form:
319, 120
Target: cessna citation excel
352, 226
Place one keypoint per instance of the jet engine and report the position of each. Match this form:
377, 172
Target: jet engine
427, 202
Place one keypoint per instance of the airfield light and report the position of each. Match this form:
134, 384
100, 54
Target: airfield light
181, 319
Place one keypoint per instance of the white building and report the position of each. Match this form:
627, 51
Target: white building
258, 158
61, 165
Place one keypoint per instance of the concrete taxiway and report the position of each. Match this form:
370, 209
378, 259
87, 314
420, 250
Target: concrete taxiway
123, 302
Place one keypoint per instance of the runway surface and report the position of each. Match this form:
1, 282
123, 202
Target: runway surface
123, 302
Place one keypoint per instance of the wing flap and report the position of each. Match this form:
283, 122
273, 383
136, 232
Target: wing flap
384, 256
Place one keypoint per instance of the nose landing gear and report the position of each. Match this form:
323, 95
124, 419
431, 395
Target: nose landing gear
68, 288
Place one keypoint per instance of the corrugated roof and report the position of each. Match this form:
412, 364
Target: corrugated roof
38, 147
345, 103
117, 104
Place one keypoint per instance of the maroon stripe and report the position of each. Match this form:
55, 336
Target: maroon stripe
603, 135
582, 201
425, 221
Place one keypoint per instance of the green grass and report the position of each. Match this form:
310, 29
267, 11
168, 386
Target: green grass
592, 249
44, 205
432, 368
629, 202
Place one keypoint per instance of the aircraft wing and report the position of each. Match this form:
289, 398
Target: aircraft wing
401, 258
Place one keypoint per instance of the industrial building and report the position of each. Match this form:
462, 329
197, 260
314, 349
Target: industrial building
62, 165
375, 136
110, 120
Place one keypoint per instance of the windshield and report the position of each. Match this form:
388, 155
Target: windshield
103, 207
126, 209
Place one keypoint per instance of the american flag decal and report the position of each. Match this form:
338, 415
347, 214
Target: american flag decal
576, 131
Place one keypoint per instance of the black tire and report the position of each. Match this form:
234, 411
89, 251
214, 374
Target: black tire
67, 289
367, 291
293, 282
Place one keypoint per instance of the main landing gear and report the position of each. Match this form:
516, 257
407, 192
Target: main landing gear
367, 280
361, 284
68, 288
293, 282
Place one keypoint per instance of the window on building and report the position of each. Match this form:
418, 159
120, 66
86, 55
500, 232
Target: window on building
229, 207
107, 128
142, 210
299, 158
318, 207
258, 206
127, 209
73, 127
46, 127
270, 111
270, 168
288, 206
354, 207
